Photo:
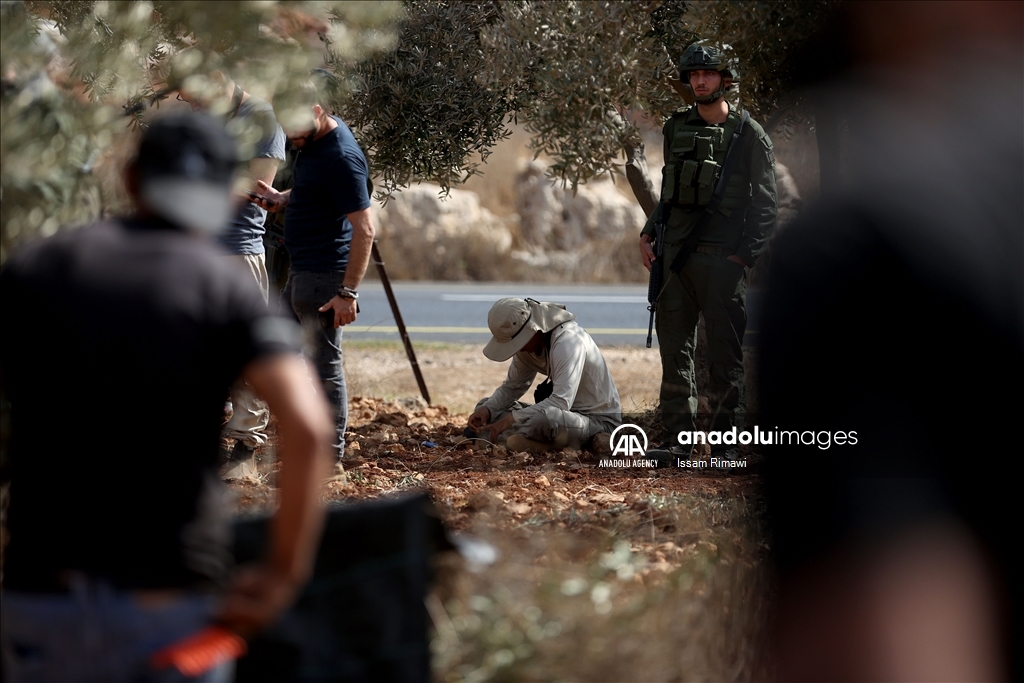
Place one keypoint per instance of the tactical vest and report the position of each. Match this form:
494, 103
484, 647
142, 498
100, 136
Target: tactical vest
694, 155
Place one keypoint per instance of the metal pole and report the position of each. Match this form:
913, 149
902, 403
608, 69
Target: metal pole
379, 262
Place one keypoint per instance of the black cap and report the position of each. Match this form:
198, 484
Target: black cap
186, 164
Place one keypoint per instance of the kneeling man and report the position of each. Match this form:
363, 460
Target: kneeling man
576, 402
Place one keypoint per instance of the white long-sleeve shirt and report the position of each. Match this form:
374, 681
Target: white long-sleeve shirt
576, 366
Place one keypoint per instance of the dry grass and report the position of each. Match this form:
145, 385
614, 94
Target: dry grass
601, 575
667, 587
458, 375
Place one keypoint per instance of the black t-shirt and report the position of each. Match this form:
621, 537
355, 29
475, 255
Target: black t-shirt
121, 340
329, 183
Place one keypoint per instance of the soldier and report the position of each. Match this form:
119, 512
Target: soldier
714, 228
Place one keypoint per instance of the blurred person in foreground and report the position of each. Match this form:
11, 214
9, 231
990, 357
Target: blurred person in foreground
577, 402
119, 543
261, 144
328, 234
895, 308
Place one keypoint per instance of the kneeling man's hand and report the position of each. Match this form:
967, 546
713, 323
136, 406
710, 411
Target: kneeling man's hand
500, 426
479, 419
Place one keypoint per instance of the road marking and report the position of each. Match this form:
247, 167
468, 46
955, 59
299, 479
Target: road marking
390, 329
562, 299
617, 330
475, 330
419, 329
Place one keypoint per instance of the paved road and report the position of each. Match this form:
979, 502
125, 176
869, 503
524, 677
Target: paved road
457, 311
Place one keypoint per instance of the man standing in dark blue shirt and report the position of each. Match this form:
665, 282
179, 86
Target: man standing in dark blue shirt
329, 234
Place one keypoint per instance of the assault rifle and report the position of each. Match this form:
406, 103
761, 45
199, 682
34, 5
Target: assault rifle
654, 284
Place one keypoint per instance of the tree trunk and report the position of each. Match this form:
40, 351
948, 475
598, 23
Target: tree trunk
639, 177
636, 165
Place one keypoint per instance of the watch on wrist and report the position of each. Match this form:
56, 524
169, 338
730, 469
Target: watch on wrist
347, 293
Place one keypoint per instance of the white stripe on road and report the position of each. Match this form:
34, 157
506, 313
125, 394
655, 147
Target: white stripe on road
566, 299
474, 330
419, 329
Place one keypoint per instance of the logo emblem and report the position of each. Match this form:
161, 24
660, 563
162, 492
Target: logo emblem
627, 443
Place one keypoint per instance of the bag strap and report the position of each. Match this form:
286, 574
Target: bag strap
716, 198
728, 165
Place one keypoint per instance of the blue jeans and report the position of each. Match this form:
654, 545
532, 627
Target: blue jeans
97, 634
305, 293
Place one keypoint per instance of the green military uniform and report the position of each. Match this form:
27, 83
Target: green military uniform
709, 283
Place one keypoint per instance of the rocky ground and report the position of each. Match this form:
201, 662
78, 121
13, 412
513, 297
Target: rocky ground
397, 442
652, 574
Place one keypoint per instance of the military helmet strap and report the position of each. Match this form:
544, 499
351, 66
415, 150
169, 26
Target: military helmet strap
699, 57
713, 97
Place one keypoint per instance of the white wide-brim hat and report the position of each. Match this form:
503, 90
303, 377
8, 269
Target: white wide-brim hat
513, 322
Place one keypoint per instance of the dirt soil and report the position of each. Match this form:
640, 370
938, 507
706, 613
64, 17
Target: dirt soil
685, 547
398, 443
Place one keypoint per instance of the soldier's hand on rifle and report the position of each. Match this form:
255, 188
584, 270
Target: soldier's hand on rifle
647, 251
479, 419
266, 197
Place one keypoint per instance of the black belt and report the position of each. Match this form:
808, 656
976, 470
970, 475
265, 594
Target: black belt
712, 249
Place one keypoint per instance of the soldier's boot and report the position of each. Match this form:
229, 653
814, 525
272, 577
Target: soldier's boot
518, 442
668, 454
726, 454
600, 445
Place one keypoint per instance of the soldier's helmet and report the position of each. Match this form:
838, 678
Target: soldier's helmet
707, 58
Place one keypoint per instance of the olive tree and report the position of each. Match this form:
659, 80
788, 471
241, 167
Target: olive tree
428, 86
577, 74
76, 74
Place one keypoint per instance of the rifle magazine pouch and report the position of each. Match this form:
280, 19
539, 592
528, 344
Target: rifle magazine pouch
678, 182
679, 170
709, 171
708, 174
682, 143
670, 183
704, 195
705, 150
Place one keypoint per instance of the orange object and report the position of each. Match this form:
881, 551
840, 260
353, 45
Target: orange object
198, 653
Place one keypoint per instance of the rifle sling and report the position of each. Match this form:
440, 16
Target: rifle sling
716, 198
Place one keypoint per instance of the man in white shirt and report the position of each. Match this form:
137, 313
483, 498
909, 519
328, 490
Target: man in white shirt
545, 338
